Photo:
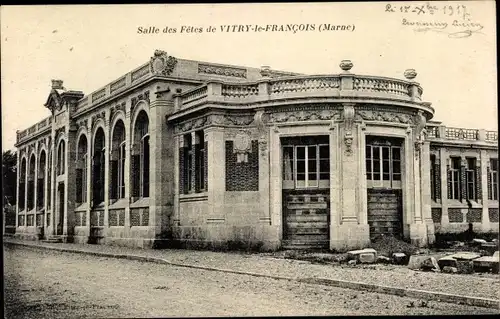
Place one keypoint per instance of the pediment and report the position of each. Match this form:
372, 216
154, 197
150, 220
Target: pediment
54, 101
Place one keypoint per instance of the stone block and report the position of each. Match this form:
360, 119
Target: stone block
356, 255
366, 258
398, 258
450, 270
430, 264
416, 261
465, 255
495, 254
447, 261
486, 262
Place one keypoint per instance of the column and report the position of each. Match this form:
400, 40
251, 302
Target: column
443, 160
128, 159
425, 190
107, 147
88, 171
69, 183
485, 161
178, 143
35, 186
275, 200
26, 191
52, 185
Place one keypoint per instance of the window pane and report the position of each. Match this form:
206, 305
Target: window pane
312, 166
301, 153
396, 153
325, 176
376, 176
301, 167
396, 177
376, 166
313, 176
324, 151
324, 166
301, 176
385, 167
396, 167
386, 177
376, 152
385, 153
368, 151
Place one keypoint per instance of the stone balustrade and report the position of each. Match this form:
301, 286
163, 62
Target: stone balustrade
460, 134
347, 85
43, 125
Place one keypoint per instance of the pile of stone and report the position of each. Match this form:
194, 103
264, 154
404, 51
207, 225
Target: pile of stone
463, 262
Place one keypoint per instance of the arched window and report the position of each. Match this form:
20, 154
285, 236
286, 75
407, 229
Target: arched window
140, 157
117, 162
22, 185
81, 170
40, 198
61, 153
31, 183
98, 168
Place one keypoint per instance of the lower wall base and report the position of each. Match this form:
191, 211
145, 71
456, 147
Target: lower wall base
224, 237
349, 236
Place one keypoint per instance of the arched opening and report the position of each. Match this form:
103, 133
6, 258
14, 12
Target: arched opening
117, 162
140, 157
81, 170
60, 158
98, 168
22, 185
40, 198
31, 183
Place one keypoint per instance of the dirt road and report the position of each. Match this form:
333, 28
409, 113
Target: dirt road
48, 284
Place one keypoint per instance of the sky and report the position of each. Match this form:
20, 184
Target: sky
89, 46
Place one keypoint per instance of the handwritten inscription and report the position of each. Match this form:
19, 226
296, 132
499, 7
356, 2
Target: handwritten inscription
459, 10
452, 20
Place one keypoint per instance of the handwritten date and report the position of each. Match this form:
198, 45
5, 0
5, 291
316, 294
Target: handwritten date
428, 9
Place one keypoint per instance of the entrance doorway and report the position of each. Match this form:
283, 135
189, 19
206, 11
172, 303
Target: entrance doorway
383, 174
306, 192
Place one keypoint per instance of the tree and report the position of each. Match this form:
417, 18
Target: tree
9, 175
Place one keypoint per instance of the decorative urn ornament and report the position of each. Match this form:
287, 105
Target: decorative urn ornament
410, 74
346, 65
265, 71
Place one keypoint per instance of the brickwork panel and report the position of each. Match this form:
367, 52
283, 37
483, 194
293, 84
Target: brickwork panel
30, 220
455, 215
243, 176
436, 215
493, 214
474, 215
20, 220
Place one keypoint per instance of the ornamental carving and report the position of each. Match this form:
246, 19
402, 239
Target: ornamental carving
162, 64
41, 144
140, 97
191, 125
419, 132
96, 117
83, 123
303, 116
115, 108
222, 70
348, 117
238, 120
59, 131
384, 116
242, 145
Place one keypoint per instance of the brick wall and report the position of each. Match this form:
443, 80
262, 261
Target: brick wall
474, 215
139, 216
493, 214
436, 215
243, 176
455, 215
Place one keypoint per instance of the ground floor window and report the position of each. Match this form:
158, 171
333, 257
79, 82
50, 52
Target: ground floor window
383, 162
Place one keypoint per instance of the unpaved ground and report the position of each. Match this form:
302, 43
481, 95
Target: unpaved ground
48, 284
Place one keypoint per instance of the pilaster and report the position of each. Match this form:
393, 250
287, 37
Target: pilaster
425, 190
128, 158
443, 159
18, 165
216, 171
70, 182
485, 160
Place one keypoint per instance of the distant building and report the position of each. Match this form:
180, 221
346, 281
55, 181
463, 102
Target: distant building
181, 152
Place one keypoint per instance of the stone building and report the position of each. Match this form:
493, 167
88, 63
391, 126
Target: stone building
195, 154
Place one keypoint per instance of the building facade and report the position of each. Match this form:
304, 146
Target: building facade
195, 154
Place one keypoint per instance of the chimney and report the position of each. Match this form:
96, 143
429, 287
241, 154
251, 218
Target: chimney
57, 84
